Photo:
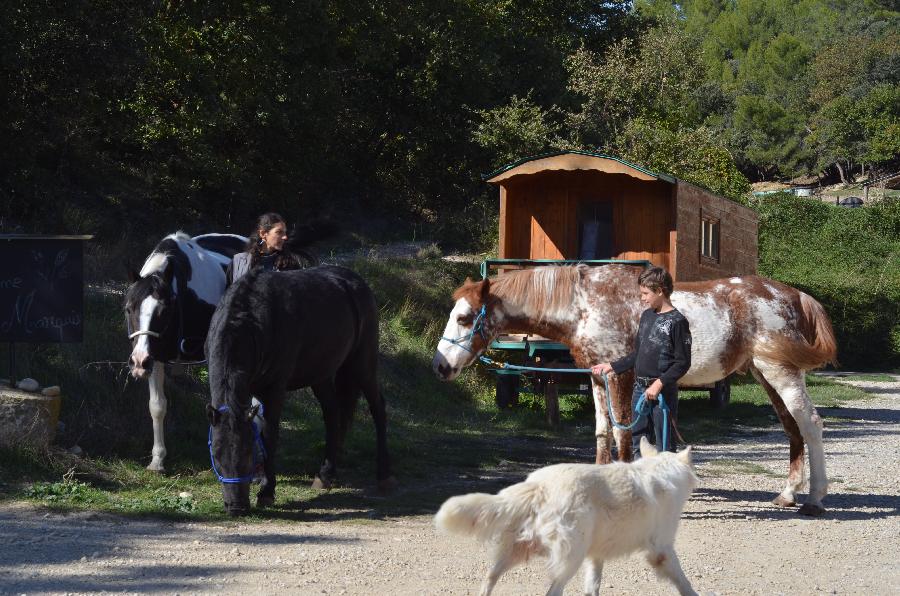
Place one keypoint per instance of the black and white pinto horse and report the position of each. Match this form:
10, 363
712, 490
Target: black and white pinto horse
279, 331
167, 312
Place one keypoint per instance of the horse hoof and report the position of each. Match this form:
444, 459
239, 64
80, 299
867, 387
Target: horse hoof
812, 510
783, 502
387, 485
320, 484
262, 501
158, 468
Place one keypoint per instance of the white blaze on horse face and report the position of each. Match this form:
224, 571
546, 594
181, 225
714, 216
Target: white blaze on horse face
711, 326
457, 355
142, 345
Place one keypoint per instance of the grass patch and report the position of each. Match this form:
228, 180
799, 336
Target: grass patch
877, 377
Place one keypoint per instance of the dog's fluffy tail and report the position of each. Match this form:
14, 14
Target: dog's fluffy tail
485, 516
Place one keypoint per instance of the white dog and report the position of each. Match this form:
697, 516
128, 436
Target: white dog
573, 512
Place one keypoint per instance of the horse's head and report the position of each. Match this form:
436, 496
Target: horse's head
234, 444
470, 329
150, 310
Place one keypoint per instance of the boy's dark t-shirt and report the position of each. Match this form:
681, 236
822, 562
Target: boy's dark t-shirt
662, 349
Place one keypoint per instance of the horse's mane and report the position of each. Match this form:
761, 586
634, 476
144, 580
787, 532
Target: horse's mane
142, 288
238, 324
157, 258
237, 303
542, 291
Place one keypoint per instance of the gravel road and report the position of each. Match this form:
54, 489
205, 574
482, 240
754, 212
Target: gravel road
732, 540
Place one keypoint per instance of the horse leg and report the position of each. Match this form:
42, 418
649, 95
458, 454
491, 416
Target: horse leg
790, 384
327, 395
601, 431
379, 416
273, 404
621, 393
796, 475
158, 407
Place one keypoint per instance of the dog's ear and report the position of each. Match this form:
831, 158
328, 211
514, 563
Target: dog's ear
684, 456
647, 450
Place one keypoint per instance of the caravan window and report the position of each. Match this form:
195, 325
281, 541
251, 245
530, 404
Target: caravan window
709, 238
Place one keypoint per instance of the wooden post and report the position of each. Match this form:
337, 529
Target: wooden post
551, 398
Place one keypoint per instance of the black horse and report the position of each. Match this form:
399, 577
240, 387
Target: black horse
278, 331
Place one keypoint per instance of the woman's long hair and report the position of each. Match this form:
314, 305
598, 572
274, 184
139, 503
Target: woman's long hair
256, 245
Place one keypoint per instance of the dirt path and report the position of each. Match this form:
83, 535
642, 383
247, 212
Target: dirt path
732, 540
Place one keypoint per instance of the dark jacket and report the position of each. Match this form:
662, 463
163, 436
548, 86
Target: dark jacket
240, 265
662, 349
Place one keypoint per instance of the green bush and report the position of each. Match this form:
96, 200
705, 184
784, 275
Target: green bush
849, 260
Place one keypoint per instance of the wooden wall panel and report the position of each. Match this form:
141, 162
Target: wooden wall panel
541, 215
738, 228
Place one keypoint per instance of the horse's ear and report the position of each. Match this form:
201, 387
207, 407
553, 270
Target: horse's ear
647, 449
252, 412
485, 290
213, 414
133, 275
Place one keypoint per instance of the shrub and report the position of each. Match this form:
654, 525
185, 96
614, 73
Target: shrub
849, 260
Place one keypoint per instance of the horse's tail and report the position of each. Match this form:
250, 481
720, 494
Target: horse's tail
487, 516
817, 345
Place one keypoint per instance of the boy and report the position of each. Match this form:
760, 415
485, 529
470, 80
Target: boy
661, 356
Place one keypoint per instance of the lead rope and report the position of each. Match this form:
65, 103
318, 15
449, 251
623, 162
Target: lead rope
641, 408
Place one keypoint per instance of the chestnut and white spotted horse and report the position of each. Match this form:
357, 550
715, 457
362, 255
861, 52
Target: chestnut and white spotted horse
750, 322
168, 308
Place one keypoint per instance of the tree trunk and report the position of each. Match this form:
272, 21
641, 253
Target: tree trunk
841, 172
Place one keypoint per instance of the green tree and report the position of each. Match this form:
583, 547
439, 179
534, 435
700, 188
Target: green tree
515, 130
697, 155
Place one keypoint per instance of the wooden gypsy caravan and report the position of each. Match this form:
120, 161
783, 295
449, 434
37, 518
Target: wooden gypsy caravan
582, 207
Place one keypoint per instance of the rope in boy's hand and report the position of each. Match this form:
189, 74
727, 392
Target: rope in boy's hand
653, 390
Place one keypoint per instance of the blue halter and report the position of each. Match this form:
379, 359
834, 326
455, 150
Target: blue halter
477, 327
259, 452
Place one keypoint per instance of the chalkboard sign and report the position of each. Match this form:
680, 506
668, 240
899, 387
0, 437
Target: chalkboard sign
41, 288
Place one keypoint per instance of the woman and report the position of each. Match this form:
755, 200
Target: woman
265, 249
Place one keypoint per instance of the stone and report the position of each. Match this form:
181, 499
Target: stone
51, 391
27, 419
28, 384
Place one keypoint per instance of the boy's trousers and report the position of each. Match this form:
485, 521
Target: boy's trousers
652, 426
